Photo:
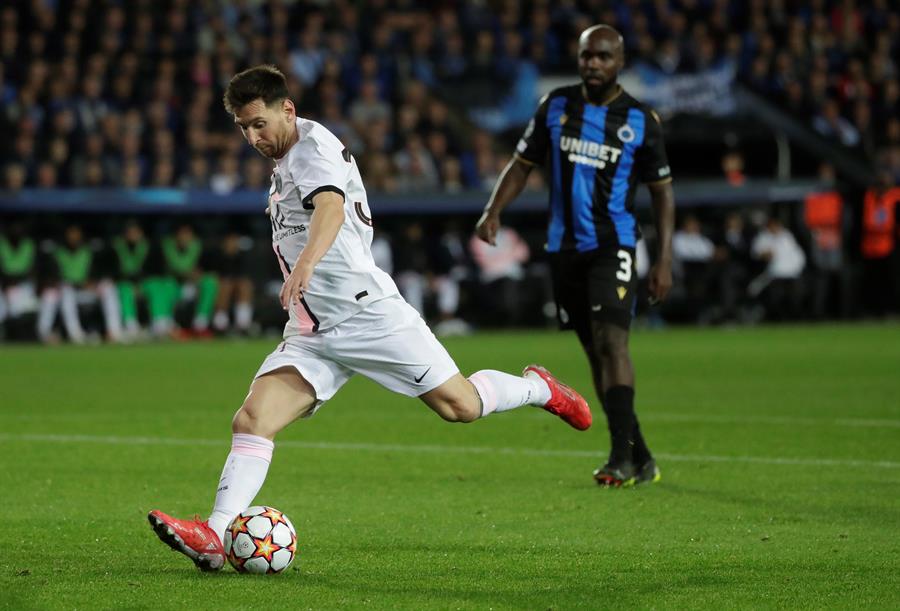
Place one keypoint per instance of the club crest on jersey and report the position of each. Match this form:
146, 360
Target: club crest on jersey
589, 153
625, 133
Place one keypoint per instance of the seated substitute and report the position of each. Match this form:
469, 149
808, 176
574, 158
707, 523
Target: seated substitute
18, 272
346, 315
74, 277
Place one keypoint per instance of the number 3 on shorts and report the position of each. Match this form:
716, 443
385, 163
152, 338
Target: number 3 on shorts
624, 271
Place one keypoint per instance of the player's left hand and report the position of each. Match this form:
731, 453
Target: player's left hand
297, 282
487, 227
659, 282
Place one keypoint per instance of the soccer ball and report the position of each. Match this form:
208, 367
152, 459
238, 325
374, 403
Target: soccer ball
260, 540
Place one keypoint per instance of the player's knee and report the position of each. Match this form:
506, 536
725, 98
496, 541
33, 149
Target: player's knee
250, 421
611, 342
614, 351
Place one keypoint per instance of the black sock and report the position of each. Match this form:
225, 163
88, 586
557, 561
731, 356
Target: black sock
640, 451
619, 407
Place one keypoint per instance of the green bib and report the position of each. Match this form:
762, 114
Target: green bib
131, 258
181, 261
74, 265
16, 261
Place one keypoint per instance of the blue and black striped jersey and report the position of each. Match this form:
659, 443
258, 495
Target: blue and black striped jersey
597, 155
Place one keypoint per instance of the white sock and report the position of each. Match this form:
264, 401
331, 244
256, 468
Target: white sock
244, 473
447, 296
501, 392
243, 316
112, 315
47, 315
69, 307
162, 325
201, 322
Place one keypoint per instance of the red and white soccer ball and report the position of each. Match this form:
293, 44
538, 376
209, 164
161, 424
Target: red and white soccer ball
260, 540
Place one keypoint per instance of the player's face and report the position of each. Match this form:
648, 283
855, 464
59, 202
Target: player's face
600, 58
268, 129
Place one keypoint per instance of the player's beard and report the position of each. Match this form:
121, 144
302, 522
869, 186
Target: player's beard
599, 93
271, 150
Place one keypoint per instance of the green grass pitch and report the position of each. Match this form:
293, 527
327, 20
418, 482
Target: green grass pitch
779, 447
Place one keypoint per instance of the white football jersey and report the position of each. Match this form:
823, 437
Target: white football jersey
346, 279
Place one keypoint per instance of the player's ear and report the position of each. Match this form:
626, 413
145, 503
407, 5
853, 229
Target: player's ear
287, 106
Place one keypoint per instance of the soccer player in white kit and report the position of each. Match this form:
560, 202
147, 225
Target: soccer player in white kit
346, 315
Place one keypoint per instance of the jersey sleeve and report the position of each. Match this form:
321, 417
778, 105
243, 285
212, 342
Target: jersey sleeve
325, 169
535, 142
652, 162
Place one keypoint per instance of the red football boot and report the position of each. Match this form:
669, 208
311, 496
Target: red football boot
564, 401
193, 538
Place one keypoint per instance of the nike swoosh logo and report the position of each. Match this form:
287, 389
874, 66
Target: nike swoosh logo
419, 379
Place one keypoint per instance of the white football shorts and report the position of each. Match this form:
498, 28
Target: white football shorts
387, 342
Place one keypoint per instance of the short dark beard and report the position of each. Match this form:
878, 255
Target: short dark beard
601, 93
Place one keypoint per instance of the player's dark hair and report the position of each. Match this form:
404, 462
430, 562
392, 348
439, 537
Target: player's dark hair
264, 82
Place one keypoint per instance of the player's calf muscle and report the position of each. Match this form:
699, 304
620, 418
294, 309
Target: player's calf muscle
455, 400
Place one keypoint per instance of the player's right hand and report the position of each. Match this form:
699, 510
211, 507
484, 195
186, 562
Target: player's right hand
487, 226
296, 283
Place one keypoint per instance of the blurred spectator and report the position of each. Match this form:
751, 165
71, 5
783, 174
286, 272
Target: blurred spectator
831, 124
501, 271
733, 168
307, 60
18, 274
187, 279
368, 107
379, 172
14, 176
75, 277
780, 286
198, 173
256, 174
132, 267
226, 178
449, 263
416, 169
693, 255
411, 265
879, 241
823, 212
429, 270
382, 252
234, 299
735, 266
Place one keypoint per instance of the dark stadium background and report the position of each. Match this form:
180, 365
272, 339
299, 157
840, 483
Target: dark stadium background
111, 111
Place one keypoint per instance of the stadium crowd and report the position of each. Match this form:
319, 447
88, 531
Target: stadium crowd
105, 93
429, 97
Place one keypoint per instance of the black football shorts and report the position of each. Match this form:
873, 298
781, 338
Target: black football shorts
595, 285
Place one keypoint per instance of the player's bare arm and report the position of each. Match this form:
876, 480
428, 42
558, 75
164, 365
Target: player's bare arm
662, 197
508, 187
326, 221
